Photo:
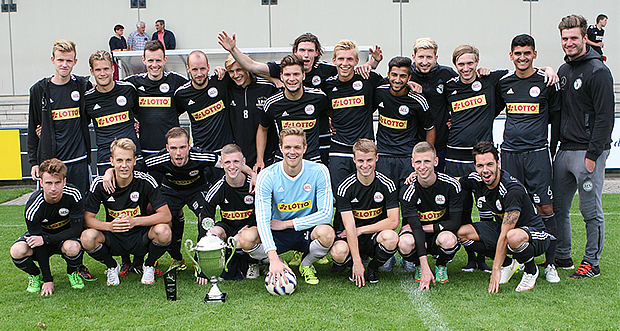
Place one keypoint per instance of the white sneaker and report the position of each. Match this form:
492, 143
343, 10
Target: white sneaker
507, 272
551, 274
527, 282
148, 274
112, 275
253, 271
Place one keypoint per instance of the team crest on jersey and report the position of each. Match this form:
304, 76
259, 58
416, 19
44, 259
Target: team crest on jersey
357, 85
378, 197
63, 212
164, 88
440, 199
194, 172
316, 80
212, 92
309, 109
134, 196
207, 223
307, 187
439, 88
476, 86
587, 186
498, 204
535, 91
75, 96
577, 83
248, 199
121, 100
260, 102
403, 110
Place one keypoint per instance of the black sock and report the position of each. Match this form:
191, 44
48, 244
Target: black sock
411, 257
525, 255
103, 255
530, 267
156, 250
73, 262
348, 262
446, 255
174, 249
380, 257
471, 252
551, 225
126, 259
507, 261
27, 264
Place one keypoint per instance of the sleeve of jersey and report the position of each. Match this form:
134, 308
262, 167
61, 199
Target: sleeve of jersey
375, 79
391, 199
93, 198
602, 89
34, 119
466, 189
156, 198
262, 207
324, 203
515, 199
456, 211
274, 69
266, 119
343, 203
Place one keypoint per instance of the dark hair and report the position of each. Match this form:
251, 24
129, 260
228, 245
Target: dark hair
400, 62
291, 60
118, 27
522, 40
160, 21
154, 45
600, 17
483, 147
309, 37
573, 21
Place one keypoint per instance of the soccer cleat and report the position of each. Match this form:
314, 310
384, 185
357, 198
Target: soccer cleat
527, 281
586, 270
253, 271
418, 273
566, 264
112, 275
85, 274
482, 265
389, 264
470, 266
34, 283
373, 276
323, 261
441, 274
507, 272
76, 280
125, 269
408, 266
148, 274
296, 260
309, 274
551, 274
179, 264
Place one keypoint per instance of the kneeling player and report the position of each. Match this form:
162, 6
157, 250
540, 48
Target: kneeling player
517, 227
294, 206
432, 209
54, 220
368, 203
127, 229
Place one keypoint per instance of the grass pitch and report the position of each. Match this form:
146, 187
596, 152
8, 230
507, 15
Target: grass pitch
335, 304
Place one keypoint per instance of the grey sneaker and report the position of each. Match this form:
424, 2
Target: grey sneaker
388, 265
253, 271
408, 266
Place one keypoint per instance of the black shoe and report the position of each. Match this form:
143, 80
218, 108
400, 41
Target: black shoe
83, 271
336, 268
470, 266
586, 270
565, 263
373, 276
481, 264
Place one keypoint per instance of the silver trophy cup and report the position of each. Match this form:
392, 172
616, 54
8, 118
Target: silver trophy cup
210, 260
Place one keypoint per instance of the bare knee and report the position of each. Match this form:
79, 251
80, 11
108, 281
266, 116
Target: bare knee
20, 250
91, 238
446, 239
325, 234
248, 239
340, 251
516, 238
161, 233
389, 239
406, 244
71, 247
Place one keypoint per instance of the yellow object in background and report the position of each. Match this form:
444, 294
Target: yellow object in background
11, 164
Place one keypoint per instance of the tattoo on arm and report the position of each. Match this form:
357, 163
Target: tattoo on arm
511, 217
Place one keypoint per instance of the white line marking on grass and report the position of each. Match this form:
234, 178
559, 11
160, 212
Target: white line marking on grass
10, 225
425, 308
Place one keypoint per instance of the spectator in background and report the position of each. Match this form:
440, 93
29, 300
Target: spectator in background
117, 43
595, 34
138, 38
165, 36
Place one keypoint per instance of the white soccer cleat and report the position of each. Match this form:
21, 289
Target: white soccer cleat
507, 272
148, 274
551, 274
527, 281
112, 275
253, 271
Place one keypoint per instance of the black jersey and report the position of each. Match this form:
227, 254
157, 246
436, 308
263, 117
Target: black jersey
529, 103
369, 204
303, 113
131, 200
400, 119
508, 195
320, 71
352, 108
208, 113
112, 114
55, 222
247, 106
186, 177
595, 35
64, 102
156, 112
236, 203
433, 85
473, 108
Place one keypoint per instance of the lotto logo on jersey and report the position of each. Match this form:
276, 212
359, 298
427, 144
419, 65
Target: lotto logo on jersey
154, 101
306, 125
65, 114
294, 206
184, 181
367, 214
357, 100
431, 216
131, 212
479, 100
523, 108
206, 112
56, 225
236, 215
112, 119
392, 123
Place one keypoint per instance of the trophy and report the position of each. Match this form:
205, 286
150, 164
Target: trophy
210, 260
170, 284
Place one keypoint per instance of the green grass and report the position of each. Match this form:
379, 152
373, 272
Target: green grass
335, 304
12, 193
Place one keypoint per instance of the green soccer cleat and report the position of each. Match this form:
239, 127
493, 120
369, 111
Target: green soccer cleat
179, 264
34, 283
76, 280
323, 261
418, 273
309, 274
441, 274
296, 260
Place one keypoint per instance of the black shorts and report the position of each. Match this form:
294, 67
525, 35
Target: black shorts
291, 240
396, 168
366, 243
430, 241
231, 228
488, 232
79, 174
135, 242
459, 168
194, 199
533, 169
53, 248
341, 165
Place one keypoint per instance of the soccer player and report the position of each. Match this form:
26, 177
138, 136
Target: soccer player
517, 227
54, 219
431, 209
595, 34
587, 120
368, 203
296, 106
294, 206
128, 227
111, 106
525, 150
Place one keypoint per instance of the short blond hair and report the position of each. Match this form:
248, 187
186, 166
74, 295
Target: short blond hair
465, 49
230, 60
423, 147
425, 43
99, 55
123, 143
230, 149
64, 46
293, 131
346, 45
365, 146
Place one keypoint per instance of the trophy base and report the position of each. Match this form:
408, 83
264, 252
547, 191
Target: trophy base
218, 298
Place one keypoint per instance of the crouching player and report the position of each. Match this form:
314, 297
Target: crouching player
518, 227
232, 195
54, 220
128, 228
432, 209
294, 206
368, 203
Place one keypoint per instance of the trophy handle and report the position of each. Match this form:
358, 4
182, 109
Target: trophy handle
189, 245
232, 244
